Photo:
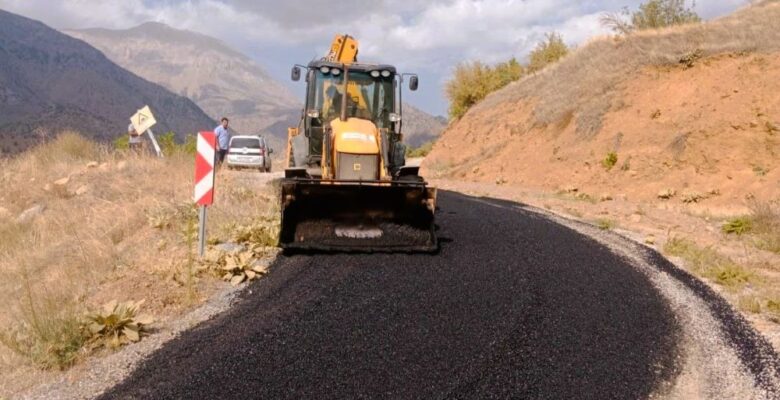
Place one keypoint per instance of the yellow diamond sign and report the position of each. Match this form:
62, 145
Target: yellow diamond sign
143, 120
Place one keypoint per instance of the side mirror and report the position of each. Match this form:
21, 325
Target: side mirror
270, 151
296, 74
414, 82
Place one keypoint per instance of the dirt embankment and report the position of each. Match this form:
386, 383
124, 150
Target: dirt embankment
712, 130
692, 109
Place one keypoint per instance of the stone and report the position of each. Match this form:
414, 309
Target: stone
4, 213
667, 194
47, 187
650, 240
82, 190
103, 166
230, 248
62, 181
605, 197
635, 218
29, 214
122, 165
92, 164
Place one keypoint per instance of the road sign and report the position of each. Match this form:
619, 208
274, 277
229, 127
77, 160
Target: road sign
143, 120
204, 168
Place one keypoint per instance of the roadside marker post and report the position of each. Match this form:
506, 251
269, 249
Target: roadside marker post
205, 158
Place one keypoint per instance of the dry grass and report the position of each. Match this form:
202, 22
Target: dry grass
765, 226
710, 264
119, 228
586, 82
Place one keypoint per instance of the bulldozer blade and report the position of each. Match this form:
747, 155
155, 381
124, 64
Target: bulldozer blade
345, 216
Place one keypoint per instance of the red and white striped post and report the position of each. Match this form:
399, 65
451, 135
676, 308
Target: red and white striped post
204, 181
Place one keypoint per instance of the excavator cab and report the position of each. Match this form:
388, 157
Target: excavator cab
346, 185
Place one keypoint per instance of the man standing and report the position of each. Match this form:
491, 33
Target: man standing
136, 141
223, 139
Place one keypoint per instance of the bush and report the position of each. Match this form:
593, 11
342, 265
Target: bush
47, 330
547, 52
610, 160
421, 151
472, 82
738, 226
653, 14
122, 142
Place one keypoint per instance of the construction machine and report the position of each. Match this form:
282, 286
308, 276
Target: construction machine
346, 185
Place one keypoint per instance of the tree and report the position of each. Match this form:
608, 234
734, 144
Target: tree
547, 52
472, 82
662, 13
653, 14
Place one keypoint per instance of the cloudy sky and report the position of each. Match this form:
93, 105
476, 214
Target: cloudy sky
424, 36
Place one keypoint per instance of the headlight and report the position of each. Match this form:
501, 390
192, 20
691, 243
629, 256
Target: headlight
324, 69
375, 74
335, 72
385, 74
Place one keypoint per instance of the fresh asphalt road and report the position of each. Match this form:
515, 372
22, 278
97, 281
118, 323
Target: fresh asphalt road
514, 305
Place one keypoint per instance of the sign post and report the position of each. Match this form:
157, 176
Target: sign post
204, 181
143, 121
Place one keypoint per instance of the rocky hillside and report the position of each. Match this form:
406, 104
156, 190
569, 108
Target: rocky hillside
420, 127
219, 79
690, 113
50, 82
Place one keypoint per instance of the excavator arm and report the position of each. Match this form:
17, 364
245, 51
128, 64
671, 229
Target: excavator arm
344, 50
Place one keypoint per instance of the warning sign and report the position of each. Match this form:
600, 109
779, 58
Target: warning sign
143, 120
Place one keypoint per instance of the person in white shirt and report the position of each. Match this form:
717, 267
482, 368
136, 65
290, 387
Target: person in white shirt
223, 139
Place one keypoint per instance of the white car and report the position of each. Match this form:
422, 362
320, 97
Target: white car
249, 152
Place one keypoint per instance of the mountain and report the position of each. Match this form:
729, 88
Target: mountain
51, 82
219, 79
222, 81
420, 127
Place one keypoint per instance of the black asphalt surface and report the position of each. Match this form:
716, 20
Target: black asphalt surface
513, 306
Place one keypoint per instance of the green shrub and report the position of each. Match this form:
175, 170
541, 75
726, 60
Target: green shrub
738, 226
605, 224
653, 14
122, 142
656, 14
472, 82
610, 160
421, 151
547, 52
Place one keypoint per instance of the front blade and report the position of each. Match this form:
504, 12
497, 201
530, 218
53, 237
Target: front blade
357, 216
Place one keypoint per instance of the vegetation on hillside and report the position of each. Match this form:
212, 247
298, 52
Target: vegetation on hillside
653, 14
547, 52
82, 224
473, 81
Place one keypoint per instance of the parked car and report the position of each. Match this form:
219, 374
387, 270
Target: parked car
249, 152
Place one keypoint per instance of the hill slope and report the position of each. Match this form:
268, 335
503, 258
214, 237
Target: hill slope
51, 82
219, 79
693, 109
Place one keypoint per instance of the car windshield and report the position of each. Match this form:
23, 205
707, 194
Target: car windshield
368, 97
251, 143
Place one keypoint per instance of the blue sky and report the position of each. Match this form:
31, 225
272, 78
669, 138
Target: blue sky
424, 36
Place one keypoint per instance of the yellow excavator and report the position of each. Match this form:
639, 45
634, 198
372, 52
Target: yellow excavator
346, 185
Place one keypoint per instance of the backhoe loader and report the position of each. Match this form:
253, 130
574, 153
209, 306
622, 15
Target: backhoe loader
346, 185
